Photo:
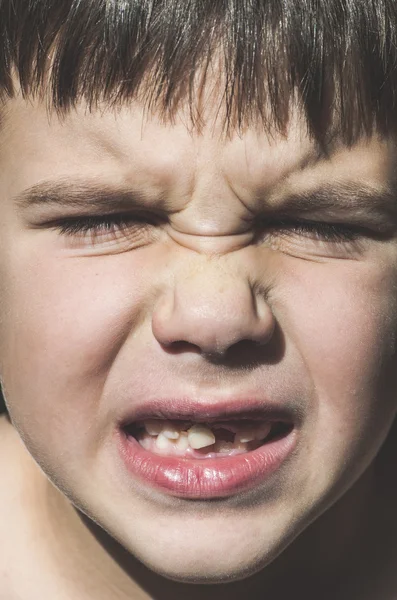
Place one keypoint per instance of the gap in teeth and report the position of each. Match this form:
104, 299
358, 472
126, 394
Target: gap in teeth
201, 440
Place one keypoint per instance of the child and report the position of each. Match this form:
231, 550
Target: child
198, 262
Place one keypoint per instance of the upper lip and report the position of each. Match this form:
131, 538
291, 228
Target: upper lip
204, 410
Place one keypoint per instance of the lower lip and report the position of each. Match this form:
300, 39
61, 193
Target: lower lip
205, 478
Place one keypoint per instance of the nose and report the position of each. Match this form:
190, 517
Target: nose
212, 310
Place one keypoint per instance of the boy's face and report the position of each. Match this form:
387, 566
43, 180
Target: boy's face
199, 305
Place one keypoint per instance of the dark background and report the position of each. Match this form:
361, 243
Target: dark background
2, 405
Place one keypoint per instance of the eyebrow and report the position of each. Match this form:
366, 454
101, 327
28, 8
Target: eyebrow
338, 199
91, 195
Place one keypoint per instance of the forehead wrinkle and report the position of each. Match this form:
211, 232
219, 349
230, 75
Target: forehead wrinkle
256, 191
313, 155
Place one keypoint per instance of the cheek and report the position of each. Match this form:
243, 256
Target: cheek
348, 333
65, 322
344, 325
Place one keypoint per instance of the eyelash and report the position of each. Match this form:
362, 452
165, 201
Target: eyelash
326, 232
320, 231
94, 224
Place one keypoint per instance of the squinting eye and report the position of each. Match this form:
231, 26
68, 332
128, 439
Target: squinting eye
319, 231
97, 228
98, 225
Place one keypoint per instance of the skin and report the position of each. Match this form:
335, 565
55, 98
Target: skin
89, 329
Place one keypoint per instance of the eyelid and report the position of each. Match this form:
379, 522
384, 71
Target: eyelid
137, 228
319, 231
95, 212
370, 225
110, 233
328, 232
90, 223
117, 227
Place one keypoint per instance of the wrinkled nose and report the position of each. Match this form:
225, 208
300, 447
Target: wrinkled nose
212, 310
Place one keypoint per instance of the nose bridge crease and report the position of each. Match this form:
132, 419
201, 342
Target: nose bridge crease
213, 245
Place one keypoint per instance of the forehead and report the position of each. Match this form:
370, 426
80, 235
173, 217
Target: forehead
131, 147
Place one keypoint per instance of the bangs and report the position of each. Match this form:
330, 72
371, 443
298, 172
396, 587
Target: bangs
335, 58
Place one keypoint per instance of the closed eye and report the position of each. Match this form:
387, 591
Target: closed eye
100, 224
316, 230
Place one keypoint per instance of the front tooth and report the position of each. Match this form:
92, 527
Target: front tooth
200, 436
182, 442
153, 426
170, 431
163, 443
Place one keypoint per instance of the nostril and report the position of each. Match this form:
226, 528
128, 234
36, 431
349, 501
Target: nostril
242, 351
181, 347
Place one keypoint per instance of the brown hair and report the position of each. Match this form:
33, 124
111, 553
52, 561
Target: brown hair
336, 57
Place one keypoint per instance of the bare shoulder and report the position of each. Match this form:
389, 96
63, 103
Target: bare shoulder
14, 461
7, 500
9, 466
16, 470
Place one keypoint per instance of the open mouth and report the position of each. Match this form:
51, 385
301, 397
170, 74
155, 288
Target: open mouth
206, 452
205, 440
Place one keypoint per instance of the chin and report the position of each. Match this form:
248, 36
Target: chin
206, 560
197, 570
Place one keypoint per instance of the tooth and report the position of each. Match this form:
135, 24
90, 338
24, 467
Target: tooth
241, 446
163, 443
153, 426
182, 442
169, 431
263, 431
200, 436
145, 442
222, 446
254, 433
244, 436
